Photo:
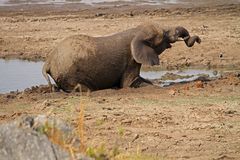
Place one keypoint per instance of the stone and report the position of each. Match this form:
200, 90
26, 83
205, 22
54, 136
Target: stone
21, 140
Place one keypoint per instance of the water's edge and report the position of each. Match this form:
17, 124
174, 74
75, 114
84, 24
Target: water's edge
19, 75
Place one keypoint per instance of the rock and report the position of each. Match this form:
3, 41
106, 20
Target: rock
21, 140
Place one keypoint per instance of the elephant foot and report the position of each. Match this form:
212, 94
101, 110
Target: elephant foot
54, 88
81, 88
140, 82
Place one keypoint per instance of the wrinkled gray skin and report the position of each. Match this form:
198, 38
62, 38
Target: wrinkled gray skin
84, 62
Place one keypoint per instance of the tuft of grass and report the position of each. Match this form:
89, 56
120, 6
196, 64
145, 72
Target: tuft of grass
121, 131
80, 126
101, 153
57, 137
99, 122
98, 153
44, 129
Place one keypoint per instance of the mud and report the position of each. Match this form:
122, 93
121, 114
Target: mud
196, 120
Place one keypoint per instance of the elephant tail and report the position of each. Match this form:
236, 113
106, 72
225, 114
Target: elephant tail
46, 73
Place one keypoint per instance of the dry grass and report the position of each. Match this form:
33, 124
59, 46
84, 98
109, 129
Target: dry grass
80, 126
99, 153
57, 137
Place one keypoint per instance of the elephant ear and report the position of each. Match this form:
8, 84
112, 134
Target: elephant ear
141, 48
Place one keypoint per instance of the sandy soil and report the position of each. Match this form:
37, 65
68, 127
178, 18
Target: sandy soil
197, 120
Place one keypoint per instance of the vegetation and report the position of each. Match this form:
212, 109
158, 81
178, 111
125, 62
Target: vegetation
99, 153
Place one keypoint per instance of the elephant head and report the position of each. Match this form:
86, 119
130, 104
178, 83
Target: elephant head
151, 41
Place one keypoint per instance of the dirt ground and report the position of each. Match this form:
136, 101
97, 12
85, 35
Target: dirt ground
196, 120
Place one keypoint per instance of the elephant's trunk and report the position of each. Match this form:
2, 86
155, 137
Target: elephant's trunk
183, 33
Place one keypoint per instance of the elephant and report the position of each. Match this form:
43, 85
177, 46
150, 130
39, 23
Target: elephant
114, 61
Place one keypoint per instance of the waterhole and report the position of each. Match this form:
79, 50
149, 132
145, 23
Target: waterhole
166, 78
18, 75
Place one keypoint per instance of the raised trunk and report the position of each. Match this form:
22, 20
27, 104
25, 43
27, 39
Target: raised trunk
183, 33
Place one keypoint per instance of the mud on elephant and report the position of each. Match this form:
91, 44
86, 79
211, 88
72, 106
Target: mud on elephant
96, 63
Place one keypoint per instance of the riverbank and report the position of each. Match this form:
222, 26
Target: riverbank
31, 32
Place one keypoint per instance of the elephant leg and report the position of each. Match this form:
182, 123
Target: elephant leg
54, 88
140, 82
131, 76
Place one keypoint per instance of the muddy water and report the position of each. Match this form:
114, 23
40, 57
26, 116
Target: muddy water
166, 78
18, 75
91, 2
